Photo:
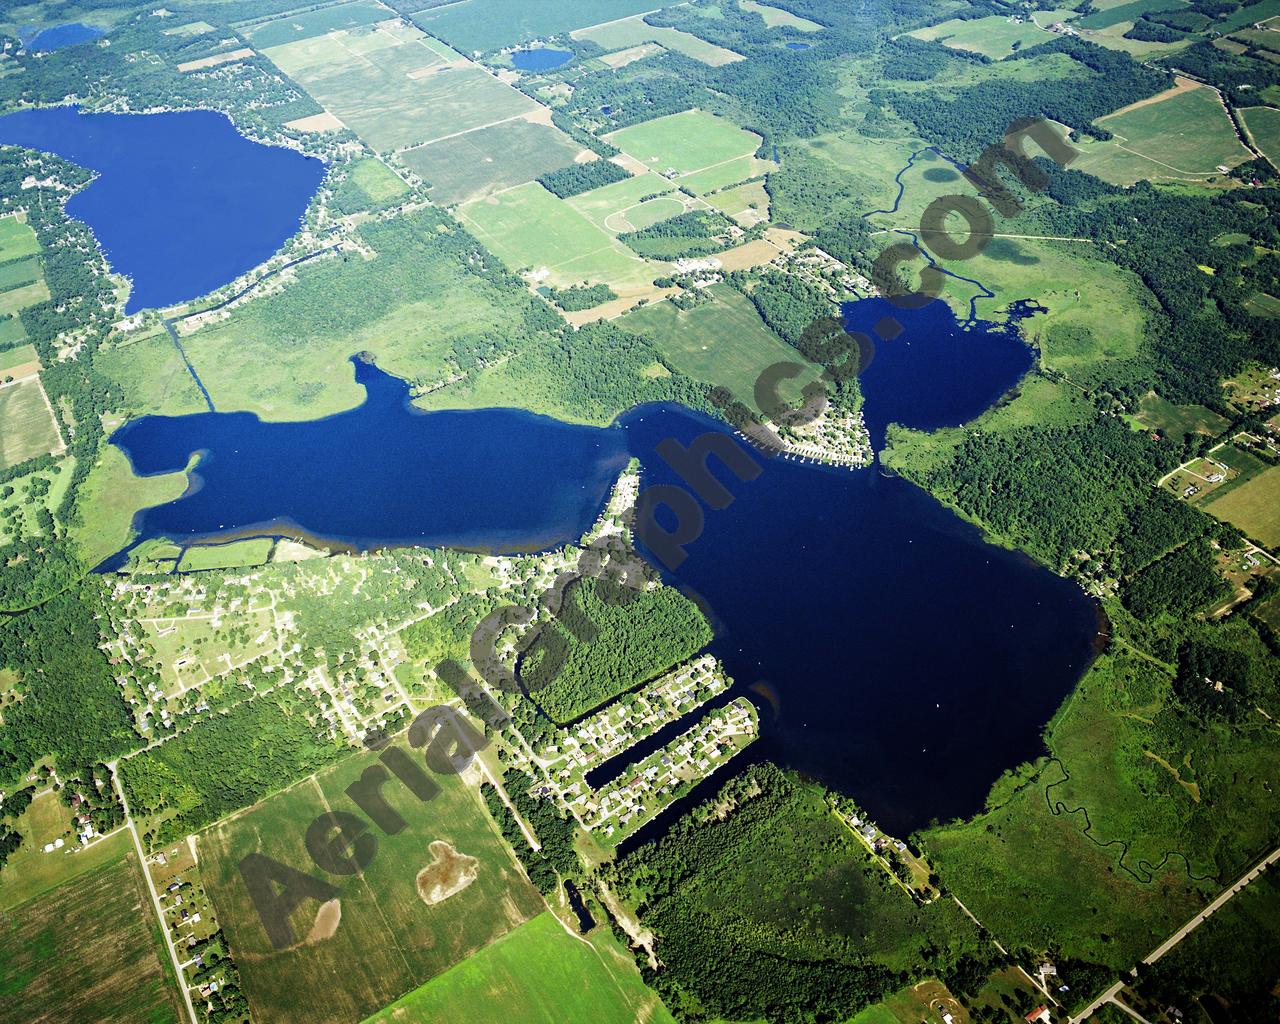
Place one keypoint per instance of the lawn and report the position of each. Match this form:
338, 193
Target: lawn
608, 207
530, 229
537, 974
471, 166
621, 35
1253, 507
27, 426
89, 951
309, 24
1264, 126
395, 87
388, 940
17, 239
776, 17
685, 143
722, 342
484, 25
994, 37
1183, 133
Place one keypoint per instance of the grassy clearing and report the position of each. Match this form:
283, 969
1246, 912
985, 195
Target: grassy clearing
747, 204
1264, 127
17, 238
87, 951
379, 183
1183, 133
993, 37
18, 515
682, 144
1179, 420
388, 940
607, 207
111, 496
15, 300
537, 974
254, 551
620, 35
722, 342
1253, 507
530, 229
776, 17
309, 24
394, 87
152, 374
484, 25
472, 166
27, 426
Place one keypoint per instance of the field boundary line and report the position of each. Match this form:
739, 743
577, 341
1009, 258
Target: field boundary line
465, 131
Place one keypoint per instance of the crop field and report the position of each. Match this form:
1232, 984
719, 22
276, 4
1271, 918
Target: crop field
1253, 507
17, 239
395, 87
722, 342
383, 937
483, 25
1183, 133
747, 204
478, 163
537, 974
609, 207
698, 150
1129, 11
993, 37
27, 426
530, 229
307, 25
629, 32
17, 299
776, 17
1179, 420
91, 949
1264, 125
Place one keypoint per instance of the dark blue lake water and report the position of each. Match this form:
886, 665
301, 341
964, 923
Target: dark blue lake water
893, 653
540, 58
59, 36
183, 203
798, 46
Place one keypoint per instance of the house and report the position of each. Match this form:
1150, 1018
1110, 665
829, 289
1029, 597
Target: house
1040, 1015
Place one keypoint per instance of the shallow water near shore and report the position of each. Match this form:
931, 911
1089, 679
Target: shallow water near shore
893, 654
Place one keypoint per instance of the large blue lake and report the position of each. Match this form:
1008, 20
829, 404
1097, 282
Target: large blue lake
60, 36
183, 203
893, 653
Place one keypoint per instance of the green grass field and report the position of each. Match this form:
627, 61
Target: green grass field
388, 940
993, 37
17, 239
395, 87
15, 300
722, 342
1184, 136
17, 517
152, 374
1179, 420
622, 35
111, 496
474, 165
89, 950
20, 272
484, 25
254, 551
776, 17
537, 974
685, 143
1131, 10
608, 207
747, 204
1264, 125
530, 229
377, 182
1253, 507
27, 426
309, 24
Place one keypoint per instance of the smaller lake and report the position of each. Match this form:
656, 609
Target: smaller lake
541, 59
61, 35
182, 202
798, 46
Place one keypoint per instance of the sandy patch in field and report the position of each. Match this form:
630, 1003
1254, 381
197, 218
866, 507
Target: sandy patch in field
28, 369
216, 59
327, 919
744, 257
630, 163
586, 156
621, 58
616, 307
325, 122
1181, 85
539, 115
447, 875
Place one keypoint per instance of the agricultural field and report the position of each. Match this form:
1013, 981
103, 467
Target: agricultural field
1129, 11
722, 342
1181, 134
610, 207
387, 932
1179, 420
309, 24
776, 17
17, 239
370, 184
697, 150
27, 425
537, 974
994, 37
477, 163
529, 229
1253, 507
747, 204
21, 278
479, 27
395, 87
629, 32
1263, 124
91, 949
